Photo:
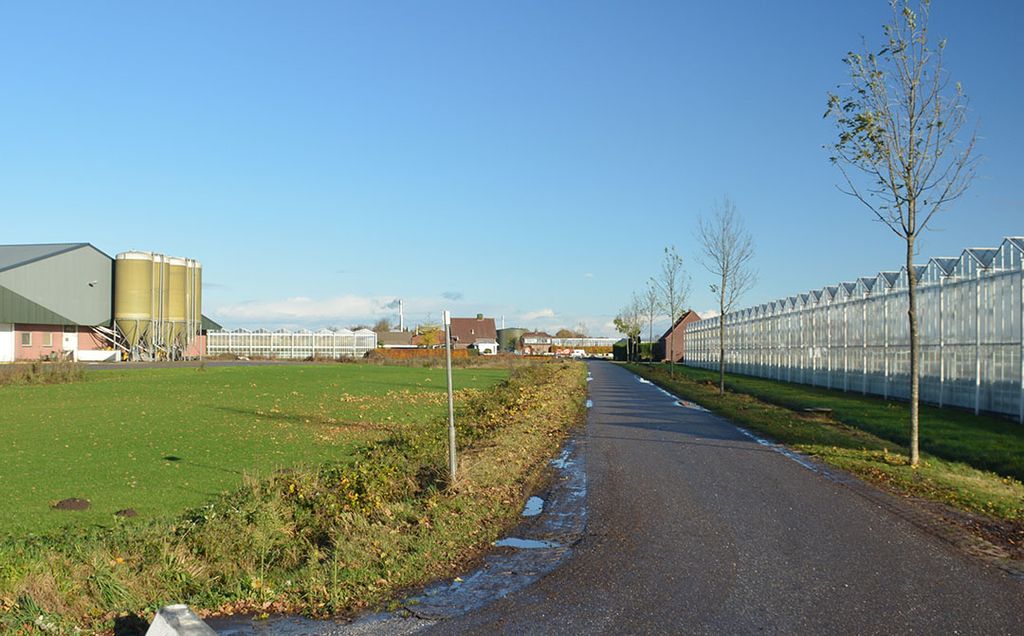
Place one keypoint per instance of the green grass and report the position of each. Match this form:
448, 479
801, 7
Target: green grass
335, 538
867, 437
108, 438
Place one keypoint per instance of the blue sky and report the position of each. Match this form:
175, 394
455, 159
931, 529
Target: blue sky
526, 159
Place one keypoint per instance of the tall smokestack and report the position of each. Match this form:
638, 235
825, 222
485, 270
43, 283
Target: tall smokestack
401, 316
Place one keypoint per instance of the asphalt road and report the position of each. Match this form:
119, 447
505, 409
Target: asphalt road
696, 528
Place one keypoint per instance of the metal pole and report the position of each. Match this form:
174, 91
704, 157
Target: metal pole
451, 397
1020, 316
942, 340
977, 343
885, 345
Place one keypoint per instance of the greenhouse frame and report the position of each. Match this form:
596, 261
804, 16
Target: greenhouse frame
292, 345
854, 336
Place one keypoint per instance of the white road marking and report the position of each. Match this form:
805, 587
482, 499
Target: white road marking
778, 448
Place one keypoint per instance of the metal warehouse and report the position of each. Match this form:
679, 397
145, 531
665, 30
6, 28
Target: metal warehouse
72, 301
854, 336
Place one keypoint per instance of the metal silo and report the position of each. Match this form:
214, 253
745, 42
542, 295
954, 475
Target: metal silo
194, 281
177, 309
133, 291
199, 297
508, 339
160, 300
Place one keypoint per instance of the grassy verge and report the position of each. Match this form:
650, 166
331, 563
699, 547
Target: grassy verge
328, 540
851, 438
61, 372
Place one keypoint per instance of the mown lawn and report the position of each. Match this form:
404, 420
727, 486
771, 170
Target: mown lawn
162, 440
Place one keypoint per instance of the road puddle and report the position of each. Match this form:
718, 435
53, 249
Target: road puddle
525, 544
562, 461
533, 507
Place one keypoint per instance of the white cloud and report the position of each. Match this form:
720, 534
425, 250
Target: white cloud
537, 315
301, 309
708, 313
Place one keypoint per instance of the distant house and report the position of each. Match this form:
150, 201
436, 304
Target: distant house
475, 333
537, 343
395, 340
673, 341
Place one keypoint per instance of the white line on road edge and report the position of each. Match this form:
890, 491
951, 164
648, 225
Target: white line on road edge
778, 448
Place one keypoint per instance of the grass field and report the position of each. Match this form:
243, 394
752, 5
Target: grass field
162, 440
338, 537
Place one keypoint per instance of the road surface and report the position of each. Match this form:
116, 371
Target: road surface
696, 528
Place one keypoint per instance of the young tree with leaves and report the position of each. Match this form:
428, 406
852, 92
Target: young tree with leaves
629, 323
674, 285
901, 148
726, 252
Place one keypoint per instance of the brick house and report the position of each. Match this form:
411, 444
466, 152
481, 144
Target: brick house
477, 333
674, 340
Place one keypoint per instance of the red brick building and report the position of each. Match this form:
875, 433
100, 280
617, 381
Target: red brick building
673, 341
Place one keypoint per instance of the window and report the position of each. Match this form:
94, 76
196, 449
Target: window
26, 339
48, 339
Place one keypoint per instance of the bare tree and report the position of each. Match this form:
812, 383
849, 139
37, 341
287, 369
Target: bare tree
900, 149
726, 252
674, 286
651, 301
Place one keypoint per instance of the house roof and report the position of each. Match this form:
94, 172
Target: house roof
537, 334
688, 316
209, 324
12, 256
469, 330
395, 338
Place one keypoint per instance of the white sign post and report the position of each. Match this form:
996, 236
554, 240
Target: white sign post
447, 318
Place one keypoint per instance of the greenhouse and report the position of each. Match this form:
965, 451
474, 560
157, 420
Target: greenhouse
292, 345
854, 336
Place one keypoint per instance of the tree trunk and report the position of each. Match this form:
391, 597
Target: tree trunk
672, 348
721, 337
650, 337
915, 352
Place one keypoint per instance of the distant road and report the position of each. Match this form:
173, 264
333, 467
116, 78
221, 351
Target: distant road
695, 528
